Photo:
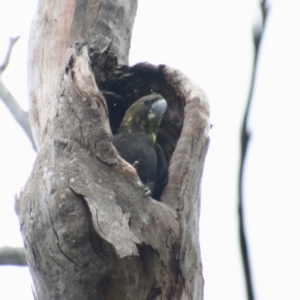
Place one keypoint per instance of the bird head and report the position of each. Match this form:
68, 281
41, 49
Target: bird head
144, 116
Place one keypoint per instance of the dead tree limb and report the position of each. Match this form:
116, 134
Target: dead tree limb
88, 230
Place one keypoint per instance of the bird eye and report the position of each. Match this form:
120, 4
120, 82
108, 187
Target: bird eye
147, 102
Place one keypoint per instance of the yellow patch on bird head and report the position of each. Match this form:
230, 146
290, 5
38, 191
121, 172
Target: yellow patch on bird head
153, 137
151, 115
144, 116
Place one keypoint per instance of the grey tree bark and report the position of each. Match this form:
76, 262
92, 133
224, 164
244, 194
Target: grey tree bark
89, 232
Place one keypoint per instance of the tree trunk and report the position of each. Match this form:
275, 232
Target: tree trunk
89, 231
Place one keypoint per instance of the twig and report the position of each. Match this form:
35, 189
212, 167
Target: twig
12, 256
245, 136
12, 42
10, 102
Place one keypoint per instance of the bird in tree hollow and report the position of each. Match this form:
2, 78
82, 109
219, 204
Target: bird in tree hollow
135, 141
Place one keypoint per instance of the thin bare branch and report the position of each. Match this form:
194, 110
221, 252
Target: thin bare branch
244, 142
10, 102
12, 42
17, 112
14, 256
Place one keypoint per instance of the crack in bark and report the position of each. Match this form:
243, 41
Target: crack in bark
57, 239
94, 22
81, 132
36, 262
57, 242
117, 14
57, 262
89, 258
183, 186
99, 8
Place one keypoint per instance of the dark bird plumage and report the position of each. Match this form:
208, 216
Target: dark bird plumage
136, 142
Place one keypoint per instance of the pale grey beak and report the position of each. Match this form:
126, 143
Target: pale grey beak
159, 108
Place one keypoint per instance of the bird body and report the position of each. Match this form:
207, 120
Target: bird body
136, 142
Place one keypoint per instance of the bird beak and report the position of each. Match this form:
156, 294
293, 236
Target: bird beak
159, 108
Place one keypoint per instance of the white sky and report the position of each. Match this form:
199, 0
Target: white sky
211, 42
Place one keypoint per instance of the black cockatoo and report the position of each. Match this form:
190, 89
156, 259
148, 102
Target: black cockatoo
135, 141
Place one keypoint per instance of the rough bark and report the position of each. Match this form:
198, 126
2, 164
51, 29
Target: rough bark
56, 25
88, 230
